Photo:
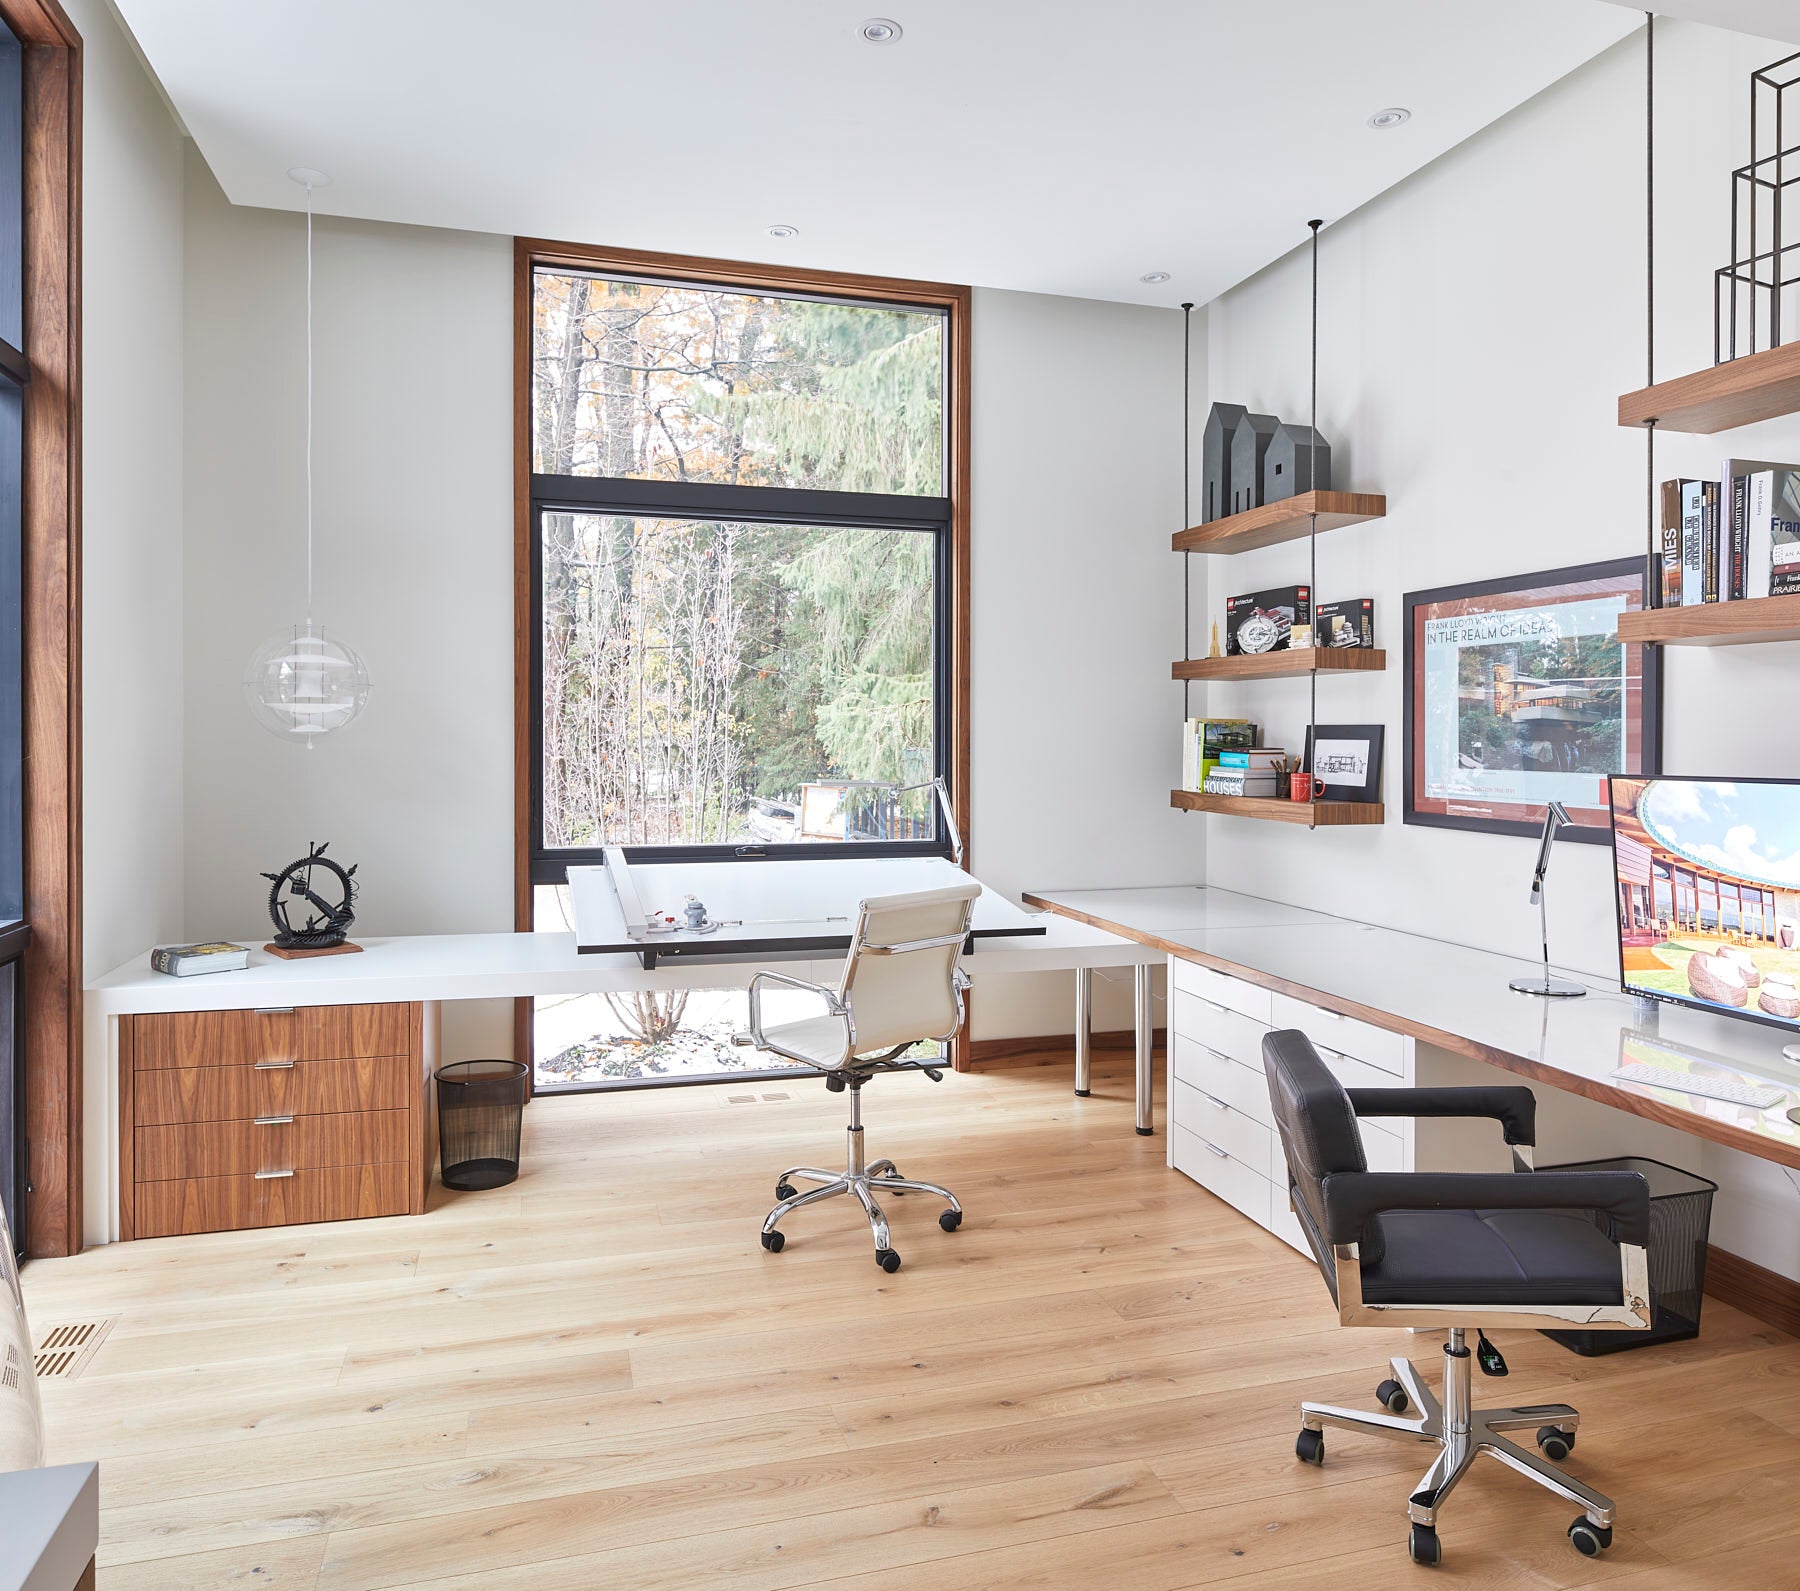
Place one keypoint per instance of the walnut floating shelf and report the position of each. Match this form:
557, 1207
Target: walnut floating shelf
1308, 814
1299, 660
1739, 392
1287, 520
1716, 623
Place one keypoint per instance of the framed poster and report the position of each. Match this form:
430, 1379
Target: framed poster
1519, 692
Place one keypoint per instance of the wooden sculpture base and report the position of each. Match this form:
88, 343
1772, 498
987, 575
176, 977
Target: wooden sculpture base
345, 949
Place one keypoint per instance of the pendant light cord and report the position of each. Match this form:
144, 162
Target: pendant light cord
309, 410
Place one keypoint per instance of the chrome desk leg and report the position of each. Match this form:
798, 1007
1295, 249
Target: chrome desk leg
1084, 1031
1144, 1013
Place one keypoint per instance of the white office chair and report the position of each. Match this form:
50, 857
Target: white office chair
901, 985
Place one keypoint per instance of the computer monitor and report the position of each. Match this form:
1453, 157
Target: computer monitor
1707, 883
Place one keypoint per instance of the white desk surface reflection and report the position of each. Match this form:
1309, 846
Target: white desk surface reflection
1457, 998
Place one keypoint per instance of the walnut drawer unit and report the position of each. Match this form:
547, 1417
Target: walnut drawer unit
221, 1204
261, 1118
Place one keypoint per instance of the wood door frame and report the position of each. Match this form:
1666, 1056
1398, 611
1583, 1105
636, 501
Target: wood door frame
51, 621
955, 301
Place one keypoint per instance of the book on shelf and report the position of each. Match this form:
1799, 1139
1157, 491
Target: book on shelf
1202, 740
1693, 560
187, 961
1772, 530
1241, 782
1258, 759
1709, 541
1669, 593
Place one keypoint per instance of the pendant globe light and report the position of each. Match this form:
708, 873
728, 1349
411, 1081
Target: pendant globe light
303, 683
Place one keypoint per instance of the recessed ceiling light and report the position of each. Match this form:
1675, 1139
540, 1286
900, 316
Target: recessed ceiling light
880, 30
1393, 116
1153, 277
782, 230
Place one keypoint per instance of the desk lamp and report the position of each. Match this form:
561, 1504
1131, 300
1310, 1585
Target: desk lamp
1555, 816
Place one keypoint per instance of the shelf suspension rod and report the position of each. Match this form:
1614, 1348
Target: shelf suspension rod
1652, 548
1187, 557
1312, 476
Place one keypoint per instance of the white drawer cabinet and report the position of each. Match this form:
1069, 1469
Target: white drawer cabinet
1232, 993
1343, 1035
1220, 1076
1221, 1128
1219, 1026
1215, 1168
1206, 1116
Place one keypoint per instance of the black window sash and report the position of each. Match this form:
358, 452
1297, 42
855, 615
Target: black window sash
765, 505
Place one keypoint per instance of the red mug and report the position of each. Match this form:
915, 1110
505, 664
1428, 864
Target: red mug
1305, 787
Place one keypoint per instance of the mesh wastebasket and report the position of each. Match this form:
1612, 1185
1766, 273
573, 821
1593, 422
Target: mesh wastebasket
1680, 1217
480, 1107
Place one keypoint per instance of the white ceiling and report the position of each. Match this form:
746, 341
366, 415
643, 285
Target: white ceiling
1061, 146
1766, 19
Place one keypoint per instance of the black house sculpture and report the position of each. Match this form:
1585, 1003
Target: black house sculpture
1215, 460
1249, 443
1298, 460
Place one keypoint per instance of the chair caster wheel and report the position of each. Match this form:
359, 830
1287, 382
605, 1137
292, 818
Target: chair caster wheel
785, 1190
950, 1220
894, 1176
772, 1241
1422, 1546
1590, 1539
1557, 1444
1392, 1397
887, 1259
1309, 1446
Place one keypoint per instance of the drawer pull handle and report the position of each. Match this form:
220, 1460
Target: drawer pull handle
1211, 1149
269, 1176
1212, 1005
1216, 1103
273, 1121
274, 1066
273, 1010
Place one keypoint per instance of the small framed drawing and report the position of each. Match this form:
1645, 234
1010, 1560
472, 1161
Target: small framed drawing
1348, 758
1519, 692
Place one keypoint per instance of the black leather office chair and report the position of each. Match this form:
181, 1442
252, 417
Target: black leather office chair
1456, 1250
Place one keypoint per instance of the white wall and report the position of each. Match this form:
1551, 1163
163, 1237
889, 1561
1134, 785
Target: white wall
413, 537
133, 881
1477, 325
1077, 615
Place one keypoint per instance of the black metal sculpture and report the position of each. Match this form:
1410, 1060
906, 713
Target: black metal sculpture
326, 924
1749, 294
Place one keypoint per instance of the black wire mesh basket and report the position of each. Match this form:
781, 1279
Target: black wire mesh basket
1680, 1219
481, 1107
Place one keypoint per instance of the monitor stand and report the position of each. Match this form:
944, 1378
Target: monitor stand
1791, 1052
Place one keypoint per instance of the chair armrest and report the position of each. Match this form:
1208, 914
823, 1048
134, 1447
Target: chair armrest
833, 1006
1352, 1197
1514, 1107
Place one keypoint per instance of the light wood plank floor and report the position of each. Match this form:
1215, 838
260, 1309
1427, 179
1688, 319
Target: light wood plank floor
597, 1379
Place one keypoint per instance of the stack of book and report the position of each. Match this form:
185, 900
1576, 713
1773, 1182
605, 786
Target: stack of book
1736, 537
1255, 772
1205, 740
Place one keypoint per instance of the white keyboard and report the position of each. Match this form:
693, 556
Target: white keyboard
1758, 1096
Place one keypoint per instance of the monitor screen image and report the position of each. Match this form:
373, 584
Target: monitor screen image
1707, 873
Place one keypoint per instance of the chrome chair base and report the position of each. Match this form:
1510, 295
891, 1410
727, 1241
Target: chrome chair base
1461, 1436
860, 1182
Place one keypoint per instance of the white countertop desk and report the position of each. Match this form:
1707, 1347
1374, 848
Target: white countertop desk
438, 967
1456, 998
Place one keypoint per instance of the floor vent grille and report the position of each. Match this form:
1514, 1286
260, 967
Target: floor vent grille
64, 1350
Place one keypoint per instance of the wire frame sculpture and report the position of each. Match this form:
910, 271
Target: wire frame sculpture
1756, 298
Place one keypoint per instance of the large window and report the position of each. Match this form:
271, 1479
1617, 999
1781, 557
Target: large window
743, 560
